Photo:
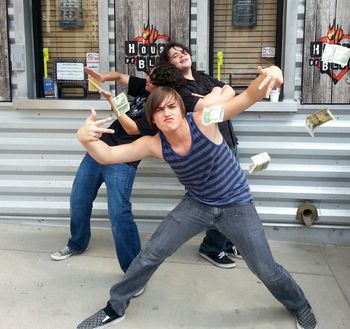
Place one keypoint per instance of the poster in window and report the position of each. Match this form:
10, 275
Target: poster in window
244, 13
70, 13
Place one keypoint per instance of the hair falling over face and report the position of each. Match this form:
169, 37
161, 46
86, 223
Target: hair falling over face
158, 97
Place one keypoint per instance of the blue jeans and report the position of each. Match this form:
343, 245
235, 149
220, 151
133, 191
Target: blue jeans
240, 223
215, 242
119, 179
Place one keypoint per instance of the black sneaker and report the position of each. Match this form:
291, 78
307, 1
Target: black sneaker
306, 318
100, 320
220, 260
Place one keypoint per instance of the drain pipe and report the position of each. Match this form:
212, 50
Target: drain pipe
307, 213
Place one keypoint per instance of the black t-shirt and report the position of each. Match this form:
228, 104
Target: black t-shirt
203, 85
136, 88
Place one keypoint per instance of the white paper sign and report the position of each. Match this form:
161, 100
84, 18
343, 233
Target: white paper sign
268, 52
93, 61
70, 71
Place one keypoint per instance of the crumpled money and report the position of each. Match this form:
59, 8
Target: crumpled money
214, 114
120, 104
336, 54
316, 119
260, 162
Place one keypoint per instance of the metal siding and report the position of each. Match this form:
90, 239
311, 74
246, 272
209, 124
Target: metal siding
40, 154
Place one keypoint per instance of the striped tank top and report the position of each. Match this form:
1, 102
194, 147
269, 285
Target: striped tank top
209, 172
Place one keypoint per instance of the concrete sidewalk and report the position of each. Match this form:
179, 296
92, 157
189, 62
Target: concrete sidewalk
186, 292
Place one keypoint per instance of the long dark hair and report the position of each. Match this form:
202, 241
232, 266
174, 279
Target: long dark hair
157, 97
164, 56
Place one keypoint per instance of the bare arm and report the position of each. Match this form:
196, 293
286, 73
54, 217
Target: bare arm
227, 92
217, 95
108, 76
89, 134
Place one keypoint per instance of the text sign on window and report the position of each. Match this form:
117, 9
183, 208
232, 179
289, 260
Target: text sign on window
71, 13
244, 13
69, 71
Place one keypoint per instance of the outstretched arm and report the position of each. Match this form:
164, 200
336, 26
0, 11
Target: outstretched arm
108, 76
90, 132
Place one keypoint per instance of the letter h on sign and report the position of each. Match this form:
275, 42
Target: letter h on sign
316, 49
131, 48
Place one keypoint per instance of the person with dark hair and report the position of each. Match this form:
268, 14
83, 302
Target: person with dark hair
217, 195
118, 178
198, 91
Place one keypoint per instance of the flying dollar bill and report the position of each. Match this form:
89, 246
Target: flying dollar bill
316, 119
336, 54
214, 114
120, 104
260, 162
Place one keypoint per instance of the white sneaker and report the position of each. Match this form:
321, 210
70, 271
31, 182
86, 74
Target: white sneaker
64, 253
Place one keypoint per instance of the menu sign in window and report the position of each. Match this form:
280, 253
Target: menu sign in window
244, 13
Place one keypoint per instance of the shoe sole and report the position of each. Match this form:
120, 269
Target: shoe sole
58, 258
139, 293
299, 327
234, 256
227, 266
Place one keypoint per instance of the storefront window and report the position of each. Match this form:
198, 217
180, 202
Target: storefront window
66, 39
244, 36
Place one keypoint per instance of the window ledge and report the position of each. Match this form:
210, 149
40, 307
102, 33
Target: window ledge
267, 106
60, 104
83, 104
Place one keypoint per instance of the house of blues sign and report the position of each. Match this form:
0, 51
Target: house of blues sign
144, 50
331, 53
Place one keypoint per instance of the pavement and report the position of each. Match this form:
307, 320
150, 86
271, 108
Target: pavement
186, 292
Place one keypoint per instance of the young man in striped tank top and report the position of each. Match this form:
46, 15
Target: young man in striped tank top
217, 195
201, 90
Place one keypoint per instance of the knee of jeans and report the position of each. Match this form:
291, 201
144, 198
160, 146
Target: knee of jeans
270, 274
151, 255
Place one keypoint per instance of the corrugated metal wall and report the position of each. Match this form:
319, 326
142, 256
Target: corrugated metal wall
39, 158
302, 168
40, 154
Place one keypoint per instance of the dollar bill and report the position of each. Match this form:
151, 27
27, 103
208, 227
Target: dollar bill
120, 104
94, 83
214, 114
260, 162
316, 119
336, 54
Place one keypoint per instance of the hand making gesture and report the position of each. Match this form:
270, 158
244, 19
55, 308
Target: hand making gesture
92, 130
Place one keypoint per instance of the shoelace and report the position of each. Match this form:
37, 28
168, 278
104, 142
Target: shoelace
222, 254
234, 249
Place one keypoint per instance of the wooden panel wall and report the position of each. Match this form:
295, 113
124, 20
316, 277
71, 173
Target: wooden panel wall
242, 45
5, 93
318, 88
170, 17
